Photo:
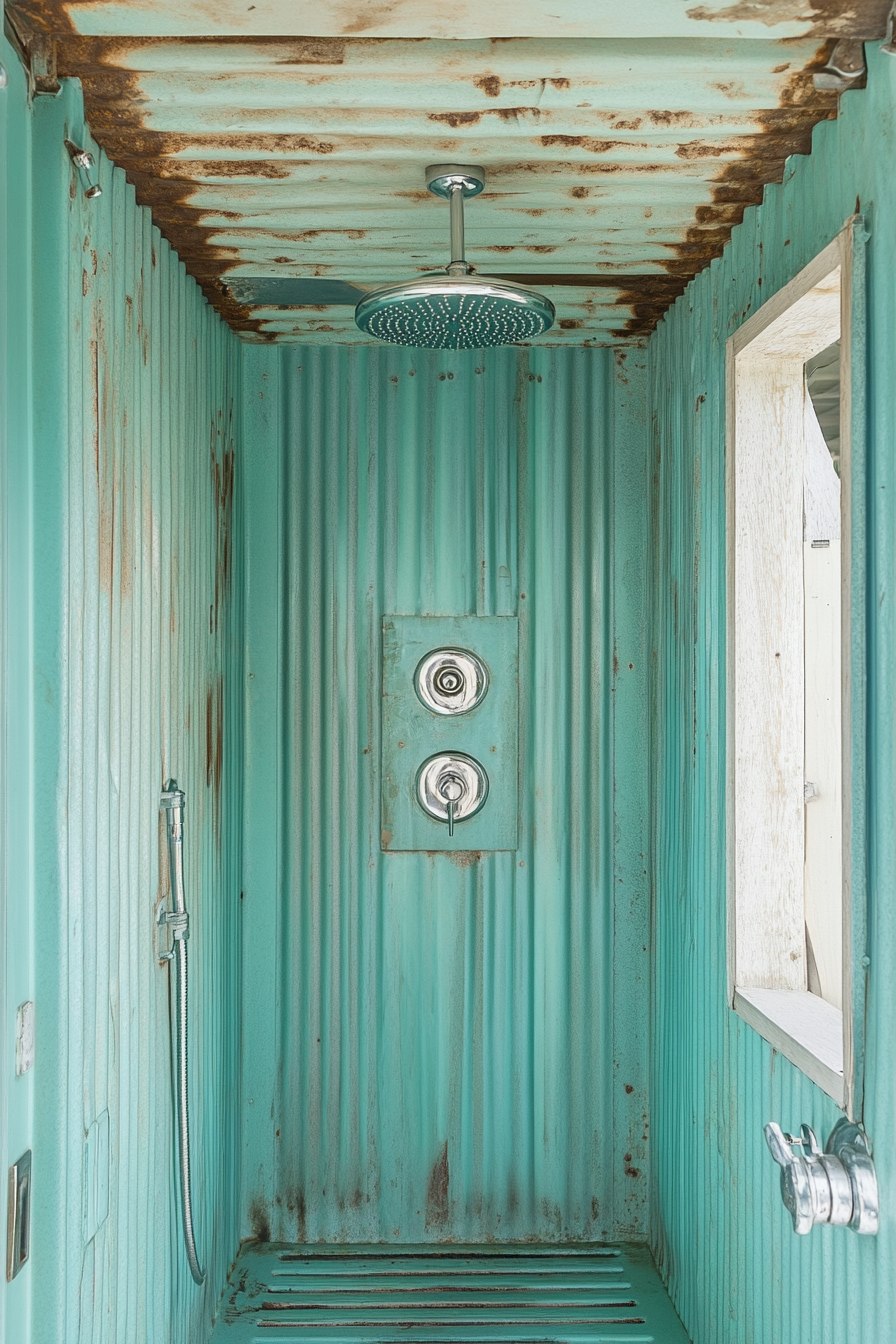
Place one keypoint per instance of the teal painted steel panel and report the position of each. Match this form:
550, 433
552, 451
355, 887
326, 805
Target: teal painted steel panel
16, 682
136, 676
736, 1271
412, 733
438, 1049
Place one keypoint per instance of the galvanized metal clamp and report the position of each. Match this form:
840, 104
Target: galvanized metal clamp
837, 1186
178, 925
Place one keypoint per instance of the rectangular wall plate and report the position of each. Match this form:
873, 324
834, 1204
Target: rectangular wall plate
412, 733
18, 1216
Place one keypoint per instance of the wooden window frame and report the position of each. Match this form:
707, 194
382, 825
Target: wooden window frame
766, 941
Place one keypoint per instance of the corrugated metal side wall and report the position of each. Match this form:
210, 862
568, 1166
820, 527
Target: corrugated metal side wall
16, 682
137, 658
445, 1047
736, 1271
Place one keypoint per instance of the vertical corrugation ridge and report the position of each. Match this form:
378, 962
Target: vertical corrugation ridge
736, 1272
145, 682
446, 1068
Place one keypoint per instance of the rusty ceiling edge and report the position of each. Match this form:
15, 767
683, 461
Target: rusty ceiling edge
116, 125
808, 106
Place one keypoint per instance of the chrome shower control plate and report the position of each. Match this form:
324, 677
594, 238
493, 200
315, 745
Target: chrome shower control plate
451, 787
451, 681
449, 739
442, 177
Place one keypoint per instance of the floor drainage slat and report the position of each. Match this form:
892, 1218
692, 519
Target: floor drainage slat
459, 1295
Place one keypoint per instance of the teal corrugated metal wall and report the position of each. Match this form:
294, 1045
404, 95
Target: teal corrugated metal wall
16, 683
137, 668
438, 1049
736, 1271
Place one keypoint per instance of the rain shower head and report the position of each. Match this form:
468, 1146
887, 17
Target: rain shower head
454, 310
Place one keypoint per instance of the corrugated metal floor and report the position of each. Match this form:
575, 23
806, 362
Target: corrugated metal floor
461, 1294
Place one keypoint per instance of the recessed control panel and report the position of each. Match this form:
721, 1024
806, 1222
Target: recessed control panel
450, 733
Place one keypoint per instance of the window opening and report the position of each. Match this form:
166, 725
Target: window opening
788, 466
823, 857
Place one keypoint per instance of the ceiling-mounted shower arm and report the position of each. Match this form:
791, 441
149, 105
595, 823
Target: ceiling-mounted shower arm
458, 264
455, 182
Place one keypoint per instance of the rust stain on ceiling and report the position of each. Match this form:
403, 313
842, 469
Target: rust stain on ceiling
616, 167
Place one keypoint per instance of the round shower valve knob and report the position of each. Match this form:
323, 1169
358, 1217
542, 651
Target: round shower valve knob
451, 787
451, 681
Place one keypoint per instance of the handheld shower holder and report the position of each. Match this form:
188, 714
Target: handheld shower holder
177, 925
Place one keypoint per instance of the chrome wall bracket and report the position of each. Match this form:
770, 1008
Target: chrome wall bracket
85, 164
837, 1186
844, 69
18, 1216
174, 923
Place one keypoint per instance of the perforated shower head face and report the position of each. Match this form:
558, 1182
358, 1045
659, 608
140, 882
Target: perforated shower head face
454, 313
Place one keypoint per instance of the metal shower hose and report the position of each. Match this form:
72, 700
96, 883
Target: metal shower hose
178, 922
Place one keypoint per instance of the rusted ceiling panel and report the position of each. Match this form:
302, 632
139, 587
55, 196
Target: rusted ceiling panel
616, 165
648, 19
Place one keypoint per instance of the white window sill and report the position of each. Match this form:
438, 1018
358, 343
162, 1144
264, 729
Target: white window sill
803, 1028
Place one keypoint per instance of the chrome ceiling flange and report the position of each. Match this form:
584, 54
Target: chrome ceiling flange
837, 1186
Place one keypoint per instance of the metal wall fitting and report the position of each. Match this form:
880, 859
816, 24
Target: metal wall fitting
85, 164
837, 1186
451, 787
4, 77
889, 46
451, 681
18, 1216
844, 69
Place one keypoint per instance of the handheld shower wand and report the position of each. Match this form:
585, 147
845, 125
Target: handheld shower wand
177, 921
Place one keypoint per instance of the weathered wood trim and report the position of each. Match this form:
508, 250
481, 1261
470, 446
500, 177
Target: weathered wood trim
827, 261
780, 1012
801, 1027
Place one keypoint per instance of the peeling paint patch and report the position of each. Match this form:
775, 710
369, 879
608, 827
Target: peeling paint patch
824, 17
489, 84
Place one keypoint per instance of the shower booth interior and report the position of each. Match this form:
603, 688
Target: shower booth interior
369, 968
